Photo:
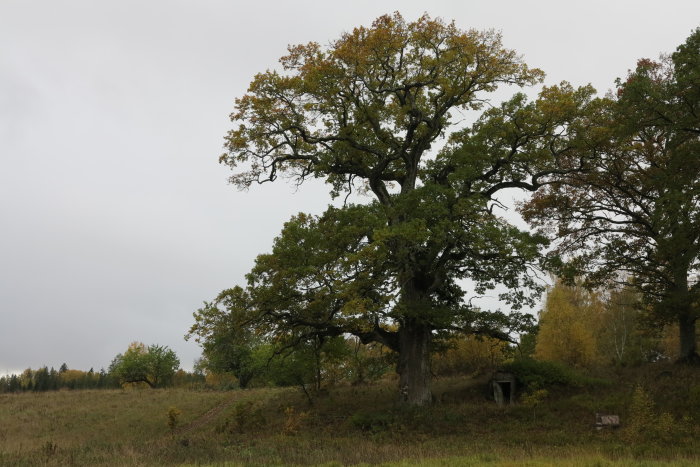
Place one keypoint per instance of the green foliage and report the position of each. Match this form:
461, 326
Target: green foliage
247, 417
367, 363
154, 365
283, 360
528, 343
646, 424
45, 379
633, 213
162, 365
228, 346
533, 398
542, 374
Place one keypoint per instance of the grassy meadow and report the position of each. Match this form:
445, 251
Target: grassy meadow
352, 425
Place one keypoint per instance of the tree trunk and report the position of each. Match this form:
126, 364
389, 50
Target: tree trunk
414, 362
683, 305
317, 364
688, 342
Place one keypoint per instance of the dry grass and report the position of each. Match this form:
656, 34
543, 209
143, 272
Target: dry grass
109, 421
345, 426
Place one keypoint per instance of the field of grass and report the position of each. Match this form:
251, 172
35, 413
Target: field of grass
354, 425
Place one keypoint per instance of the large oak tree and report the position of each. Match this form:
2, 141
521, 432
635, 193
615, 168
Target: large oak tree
365, 113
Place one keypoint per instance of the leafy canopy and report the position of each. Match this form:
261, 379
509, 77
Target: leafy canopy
154, 365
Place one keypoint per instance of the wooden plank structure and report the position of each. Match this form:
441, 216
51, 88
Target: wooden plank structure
606, 421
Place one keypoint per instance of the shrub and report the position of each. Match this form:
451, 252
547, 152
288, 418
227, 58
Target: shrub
641, 416
173, 418
247, 416
293, 421
534, 398
647, 425
373, 422
540, 374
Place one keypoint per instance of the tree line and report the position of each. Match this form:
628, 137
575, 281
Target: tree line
153, 366
45, 379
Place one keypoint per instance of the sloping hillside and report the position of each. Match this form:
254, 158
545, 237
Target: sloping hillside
361, 424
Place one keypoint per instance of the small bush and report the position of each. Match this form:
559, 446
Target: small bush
665, 427
372, 422
534, 398
641, 415
540, 374
646, 425
247, 416
293, 421
173, 418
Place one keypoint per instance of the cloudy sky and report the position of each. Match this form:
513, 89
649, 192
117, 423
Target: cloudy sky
116, 221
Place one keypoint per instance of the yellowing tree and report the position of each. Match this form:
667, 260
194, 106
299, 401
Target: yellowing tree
569, 326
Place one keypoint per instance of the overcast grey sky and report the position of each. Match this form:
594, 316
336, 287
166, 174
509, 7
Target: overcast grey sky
116, 220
